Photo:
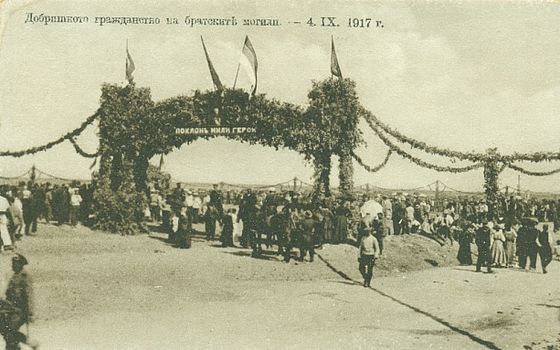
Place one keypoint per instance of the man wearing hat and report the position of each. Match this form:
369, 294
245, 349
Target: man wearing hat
483, 241
216, 200
531, 243
307, 231
17, 309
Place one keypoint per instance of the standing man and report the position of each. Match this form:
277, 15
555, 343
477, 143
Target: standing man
210, 218
531, 236
28, 210
307, 234
17, 309
521, 244
48, 203
368, 252
545, 247
216, 200
75, 201
388, 215
189, 203
398, 215
483, 243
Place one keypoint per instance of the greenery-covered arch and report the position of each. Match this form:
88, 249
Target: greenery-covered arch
133, 128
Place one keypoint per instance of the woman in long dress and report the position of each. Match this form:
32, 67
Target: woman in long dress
498, 251
465, 239
342, 213
511, 238
4, 233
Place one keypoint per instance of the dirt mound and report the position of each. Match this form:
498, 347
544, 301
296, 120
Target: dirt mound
401, 254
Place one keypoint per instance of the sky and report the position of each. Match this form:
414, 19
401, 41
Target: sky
464, 75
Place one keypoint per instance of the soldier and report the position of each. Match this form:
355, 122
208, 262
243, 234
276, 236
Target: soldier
531, 243
210, 218
483, 243
17, 309
246, 209
216, 200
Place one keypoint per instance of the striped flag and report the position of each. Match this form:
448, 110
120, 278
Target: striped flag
249, 63
129, 66
215, 78
335, 67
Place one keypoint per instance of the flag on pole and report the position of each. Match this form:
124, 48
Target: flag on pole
249, 63
215, 78
129, 66
335, 67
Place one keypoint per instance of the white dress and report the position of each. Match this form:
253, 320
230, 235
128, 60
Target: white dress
4, 233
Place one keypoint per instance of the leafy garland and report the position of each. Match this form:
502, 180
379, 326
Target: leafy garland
418, 161
533, 173
375, 168
471, 156
51, 144
80, 151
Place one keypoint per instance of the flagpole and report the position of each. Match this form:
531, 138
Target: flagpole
126, 61
332, 43
236, 74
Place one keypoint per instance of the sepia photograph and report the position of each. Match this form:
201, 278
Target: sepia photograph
236, 174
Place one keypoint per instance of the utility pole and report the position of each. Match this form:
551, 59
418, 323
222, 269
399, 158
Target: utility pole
518, 184
295, 184
437, 194
33, 175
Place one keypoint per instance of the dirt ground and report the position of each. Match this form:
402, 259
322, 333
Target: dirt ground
101, 291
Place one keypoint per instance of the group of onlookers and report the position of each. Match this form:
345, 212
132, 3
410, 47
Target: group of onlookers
22, 206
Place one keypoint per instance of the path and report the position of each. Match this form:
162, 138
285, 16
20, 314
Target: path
208, 297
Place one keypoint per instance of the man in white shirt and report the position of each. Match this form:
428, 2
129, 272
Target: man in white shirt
75, 201
368, 252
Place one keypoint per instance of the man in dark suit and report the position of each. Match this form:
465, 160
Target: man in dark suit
482, 240
531, 242
216, 200
307, 243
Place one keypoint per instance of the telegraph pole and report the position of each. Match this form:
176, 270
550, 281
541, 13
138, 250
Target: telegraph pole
33, 174
437, 194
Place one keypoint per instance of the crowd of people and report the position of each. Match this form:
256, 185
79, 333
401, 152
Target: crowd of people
292, 221
292, 225
23, 205
296, 221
